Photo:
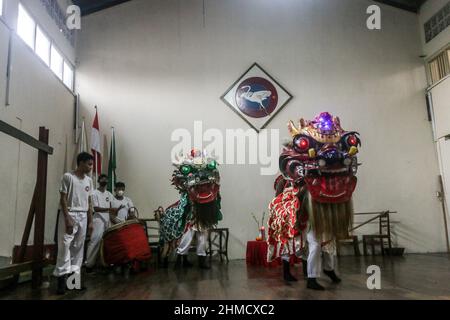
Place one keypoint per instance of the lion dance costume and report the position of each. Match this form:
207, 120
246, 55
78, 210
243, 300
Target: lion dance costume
313, 204
197, 179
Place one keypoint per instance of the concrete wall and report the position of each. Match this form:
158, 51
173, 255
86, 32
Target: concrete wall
37, 98
155, 66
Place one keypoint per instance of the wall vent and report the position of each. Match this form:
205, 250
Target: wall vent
437, 23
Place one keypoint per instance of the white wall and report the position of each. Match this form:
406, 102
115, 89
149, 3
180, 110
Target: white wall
153, 67
429, 9
37, 98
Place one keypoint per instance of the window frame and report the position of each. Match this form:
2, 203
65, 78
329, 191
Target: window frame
21, 6
49, 46
72, 78
54, 48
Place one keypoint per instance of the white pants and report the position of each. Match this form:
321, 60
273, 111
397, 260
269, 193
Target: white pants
100, 223
318, 258
71, 246
186, 240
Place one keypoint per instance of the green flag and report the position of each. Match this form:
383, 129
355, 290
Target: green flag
112, 164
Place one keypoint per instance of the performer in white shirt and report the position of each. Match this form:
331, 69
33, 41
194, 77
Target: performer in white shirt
75, 219
125, 206
101, 201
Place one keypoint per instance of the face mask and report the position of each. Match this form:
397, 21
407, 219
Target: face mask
120, 193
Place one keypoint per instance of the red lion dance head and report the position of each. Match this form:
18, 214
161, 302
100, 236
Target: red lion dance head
321, 162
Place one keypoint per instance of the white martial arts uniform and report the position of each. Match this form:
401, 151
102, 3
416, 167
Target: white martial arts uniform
122, 215
101, 223
319, 257
188, 237
71, 246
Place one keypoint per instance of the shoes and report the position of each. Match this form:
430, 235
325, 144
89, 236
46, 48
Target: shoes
186, 263
165, 263
61, 285
305, 268
178, 262
314, 285
182, 260
287, 276
202, 263
82, 286
332, 275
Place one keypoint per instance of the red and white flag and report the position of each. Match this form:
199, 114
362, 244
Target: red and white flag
96, 146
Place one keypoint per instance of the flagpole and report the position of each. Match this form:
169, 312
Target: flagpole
96, 158
82, 137
113, 145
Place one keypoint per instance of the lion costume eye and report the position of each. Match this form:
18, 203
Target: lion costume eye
185, 170
212, 165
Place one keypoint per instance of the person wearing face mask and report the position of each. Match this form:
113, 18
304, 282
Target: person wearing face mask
101, 200
125, 206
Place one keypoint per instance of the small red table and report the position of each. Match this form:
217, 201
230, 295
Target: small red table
257, 255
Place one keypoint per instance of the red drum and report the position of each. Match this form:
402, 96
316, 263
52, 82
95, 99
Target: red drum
125, 243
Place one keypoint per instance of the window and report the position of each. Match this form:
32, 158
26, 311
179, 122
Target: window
35, 37
439, 67
68, 76
42, 46
57, 62
26, 27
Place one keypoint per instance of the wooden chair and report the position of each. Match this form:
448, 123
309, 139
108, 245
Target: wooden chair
381, 238
218, 242
152, 231
352, 240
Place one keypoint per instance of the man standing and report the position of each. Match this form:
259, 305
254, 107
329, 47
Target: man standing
75, 219
101, 200
124, 205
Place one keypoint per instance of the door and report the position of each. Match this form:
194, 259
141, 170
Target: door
440, 103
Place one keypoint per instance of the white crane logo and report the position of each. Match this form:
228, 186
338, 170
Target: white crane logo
258, 97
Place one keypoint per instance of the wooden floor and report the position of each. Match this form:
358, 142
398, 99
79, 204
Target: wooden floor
408, 277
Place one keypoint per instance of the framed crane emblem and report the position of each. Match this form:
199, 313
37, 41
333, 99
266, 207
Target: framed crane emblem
256, 97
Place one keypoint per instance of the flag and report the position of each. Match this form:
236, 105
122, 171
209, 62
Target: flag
95, 146
82, 145
112, 178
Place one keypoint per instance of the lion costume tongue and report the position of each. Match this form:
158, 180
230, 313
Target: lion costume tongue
204, 193
334, 189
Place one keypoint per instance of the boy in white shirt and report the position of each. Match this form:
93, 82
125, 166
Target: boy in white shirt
125, 206
75, 220
101, 201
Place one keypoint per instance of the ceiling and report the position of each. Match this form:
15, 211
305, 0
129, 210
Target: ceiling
408, 5
91, 6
